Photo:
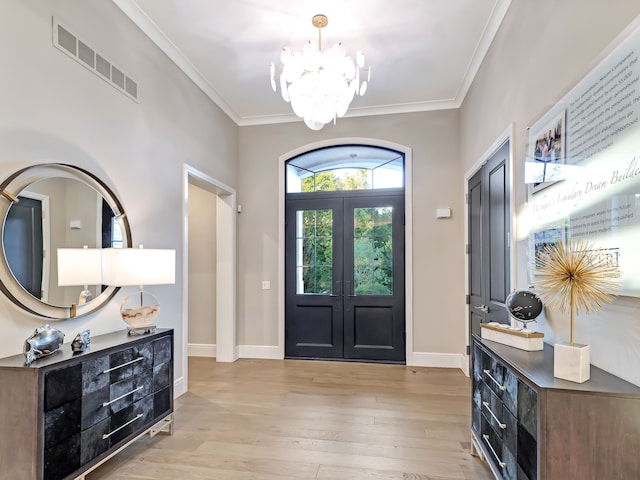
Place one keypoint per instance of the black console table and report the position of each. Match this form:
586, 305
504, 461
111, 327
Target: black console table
65, 414
529, 425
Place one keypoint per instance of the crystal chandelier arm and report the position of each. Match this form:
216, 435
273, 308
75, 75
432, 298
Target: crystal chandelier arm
273, 76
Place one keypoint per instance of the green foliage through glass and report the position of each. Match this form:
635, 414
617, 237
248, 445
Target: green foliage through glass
338, 180
314, 252
373, 251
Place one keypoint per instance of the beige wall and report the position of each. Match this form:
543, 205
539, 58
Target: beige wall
55, 110
438, 245
202, 266
542, 50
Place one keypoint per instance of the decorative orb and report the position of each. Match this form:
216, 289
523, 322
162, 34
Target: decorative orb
524, 306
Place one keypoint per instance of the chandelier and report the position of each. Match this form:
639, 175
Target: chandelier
320, 85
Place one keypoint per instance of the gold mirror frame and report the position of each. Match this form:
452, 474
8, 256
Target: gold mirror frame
10, 188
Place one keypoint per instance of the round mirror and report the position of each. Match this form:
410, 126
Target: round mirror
45, 208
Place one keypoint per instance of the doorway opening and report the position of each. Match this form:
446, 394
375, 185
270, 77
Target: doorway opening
345, 254
222, 198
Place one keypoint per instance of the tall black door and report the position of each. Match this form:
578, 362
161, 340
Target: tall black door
23, 243
344, 277
488, 193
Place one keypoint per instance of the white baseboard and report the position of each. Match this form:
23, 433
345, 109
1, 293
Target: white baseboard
440, 360
241, 351
201, 350
418, 359
260, 351
179, 387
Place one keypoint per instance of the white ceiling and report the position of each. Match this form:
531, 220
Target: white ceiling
423, 53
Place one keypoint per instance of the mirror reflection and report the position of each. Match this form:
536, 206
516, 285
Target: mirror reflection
54, 213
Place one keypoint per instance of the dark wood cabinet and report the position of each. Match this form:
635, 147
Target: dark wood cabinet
66, 413
529, 425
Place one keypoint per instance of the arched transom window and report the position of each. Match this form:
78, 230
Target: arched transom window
345, 167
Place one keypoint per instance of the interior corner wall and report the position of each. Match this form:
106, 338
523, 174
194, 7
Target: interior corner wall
202, 270
438, 245
56, 110
541, 51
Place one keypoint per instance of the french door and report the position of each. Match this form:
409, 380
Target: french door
344, 276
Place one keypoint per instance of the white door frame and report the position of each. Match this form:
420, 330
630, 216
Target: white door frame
508, 134
408, 299
226, 323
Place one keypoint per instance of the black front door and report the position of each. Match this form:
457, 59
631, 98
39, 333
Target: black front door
344, 277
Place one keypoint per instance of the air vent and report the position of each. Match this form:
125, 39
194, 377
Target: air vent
67, 42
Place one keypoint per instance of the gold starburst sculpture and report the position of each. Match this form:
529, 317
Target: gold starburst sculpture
576, 278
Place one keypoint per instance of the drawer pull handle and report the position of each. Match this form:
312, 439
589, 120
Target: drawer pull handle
107, 435
486, 439
501, 387
106, 404
123, 365
500, 424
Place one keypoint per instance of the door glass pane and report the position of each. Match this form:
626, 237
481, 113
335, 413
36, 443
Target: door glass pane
373, 251
314, 252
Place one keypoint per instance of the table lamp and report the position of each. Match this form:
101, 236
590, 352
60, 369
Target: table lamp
80, 266
123, 267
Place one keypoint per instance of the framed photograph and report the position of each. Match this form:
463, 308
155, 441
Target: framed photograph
538, 240
546, 156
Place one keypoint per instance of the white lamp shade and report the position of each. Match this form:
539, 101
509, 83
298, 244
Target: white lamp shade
79, 266
138, 266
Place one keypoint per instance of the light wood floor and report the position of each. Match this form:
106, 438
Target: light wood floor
292, 420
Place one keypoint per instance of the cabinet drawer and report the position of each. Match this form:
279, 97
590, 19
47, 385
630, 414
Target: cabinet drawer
62, 459
93, 408
92, 442
476, 405
62, 422
62, 386
100, 437
527, 453
93, 374
498, 453
501, 380
162, 402
528, 409
491, 408
144, 351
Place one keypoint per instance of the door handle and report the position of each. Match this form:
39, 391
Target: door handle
337, 289
482, 308
348, 290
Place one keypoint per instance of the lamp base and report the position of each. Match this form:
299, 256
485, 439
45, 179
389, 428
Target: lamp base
139, 312
133, 331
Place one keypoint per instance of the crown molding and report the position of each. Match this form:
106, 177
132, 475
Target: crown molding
132, 10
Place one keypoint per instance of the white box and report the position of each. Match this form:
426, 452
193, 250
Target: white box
571, 362
443, 213
524, 340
